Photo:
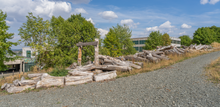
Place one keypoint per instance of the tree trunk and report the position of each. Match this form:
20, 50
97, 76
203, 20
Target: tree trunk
74, 80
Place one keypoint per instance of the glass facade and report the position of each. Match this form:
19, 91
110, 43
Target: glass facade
28, 54
142, 41
135, 42
139, 49
175, 42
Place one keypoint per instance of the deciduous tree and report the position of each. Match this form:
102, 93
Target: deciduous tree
204, 35
166, 39
154, 40
5, 45
185, 40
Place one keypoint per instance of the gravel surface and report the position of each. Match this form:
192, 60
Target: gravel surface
182, 85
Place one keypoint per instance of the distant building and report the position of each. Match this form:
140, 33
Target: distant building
139, 43
27, 52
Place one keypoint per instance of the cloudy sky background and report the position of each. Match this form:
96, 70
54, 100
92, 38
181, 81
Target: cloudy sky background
175, 17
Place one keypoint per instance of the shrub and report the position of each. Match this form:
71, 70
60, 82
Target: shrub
59, 72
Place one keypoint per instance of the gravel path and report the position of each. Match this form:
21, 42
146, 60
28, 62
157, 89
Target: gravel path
182, 85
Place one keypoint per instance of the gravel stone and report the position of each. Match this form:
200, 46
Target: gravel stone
181, 85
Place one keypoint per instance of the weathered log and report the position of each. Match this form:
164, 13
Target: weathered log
139, 63
50, 81
153, 59
116, 61
35, 75
80, 73
174, 49
3, 86
80, 44
111, 68
73, 66
96, 60
16, 82
27, 82
74, 80
105, 76
16, 89
179, 50
136, 59
108, 63
160, 57
165, 48
97, 71
133, 65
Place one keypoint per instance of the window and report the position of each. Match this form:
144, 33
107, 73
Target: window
142, 41
141, 49
136, 48
135, 42
28, 54
179, 42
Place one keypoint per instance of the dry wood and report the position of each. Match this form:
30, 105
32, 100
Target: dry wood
74, 80
50, 81
96, 52
153, 59
27, 82
136, 59
160, 57
133, 65
79, 56
16, 89
35, 75
80, 73
105, 76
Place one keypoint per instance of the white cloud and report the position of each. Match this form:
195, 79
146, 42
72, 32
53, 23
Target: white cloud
167, 24
103, 32
80, 10
19, 8
182, 33
209, 1
165, 27
90, 19
129, 22
155, 28
76, 1
213, 1
185, 26
204, 1
8, 22
108, 15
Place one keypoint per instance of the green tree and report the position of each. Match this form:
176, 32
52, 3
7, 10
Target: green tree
67, 33
5, 45
217, 31
122, 41
166, 39
154, 40
34, 33
185, 40
204, 35
112, 44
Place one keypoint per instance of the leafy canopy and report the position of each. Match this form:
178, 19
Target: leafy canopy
118, 41
5, 45
166, 39
185, 40
154, 40
204, 35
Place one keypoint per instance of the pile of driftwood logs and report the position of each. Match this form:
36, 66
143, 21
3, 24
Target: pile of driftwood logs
104, 68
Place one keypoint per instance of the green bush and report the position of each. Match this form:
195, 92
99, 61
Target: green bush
59, 72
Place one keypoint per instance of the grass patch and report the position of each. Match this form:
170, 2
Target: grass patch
213, 71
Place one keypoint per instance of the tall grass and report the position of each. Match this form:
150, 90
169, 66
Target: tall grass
213, 71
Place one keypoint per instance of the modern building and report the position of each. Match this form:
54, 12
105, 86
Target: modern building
25, 63
139, 43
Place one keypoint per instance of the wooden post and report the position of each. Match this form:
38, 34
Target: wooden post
97, 52
79, 55
2, 75
13, 72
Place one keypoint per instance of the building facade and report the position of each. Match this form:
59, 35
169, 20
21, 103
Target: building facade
139, 43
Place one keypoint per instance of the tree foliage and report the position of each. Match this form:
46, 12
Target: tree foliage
166, 39
217, 31
34, 33
118, 41
5, 45
67, 33
204, 35
185, 40
154, 40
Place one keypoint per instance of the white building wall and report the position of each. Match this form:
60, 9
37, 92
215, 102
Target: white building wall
176, 39
25, 49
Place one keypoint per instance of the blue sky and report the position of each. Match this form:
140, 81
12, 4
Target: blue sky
175, 17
